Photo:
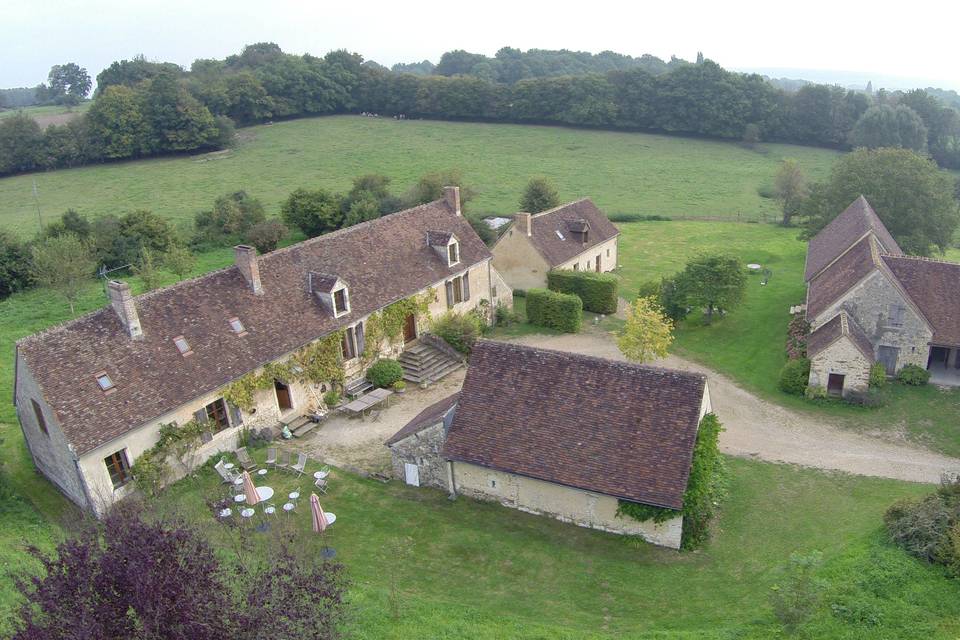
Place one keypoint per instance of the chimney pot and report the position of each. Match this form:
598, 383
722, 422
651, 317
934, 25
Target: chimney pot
452, 196
245, 258
123, 303
524, 223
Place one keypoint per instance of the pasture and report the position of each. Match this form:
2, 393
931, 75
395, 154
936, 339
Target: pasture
621, 171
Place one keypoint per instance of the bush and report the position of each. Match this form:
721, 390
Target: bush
637, 217
929, 528
913, 375
331, 398
384, 372
794, 376
561, 311
459, 330
797, 332
504, 316
266, 235
878, 376
798, 595
232, 215
519, 293
598, 291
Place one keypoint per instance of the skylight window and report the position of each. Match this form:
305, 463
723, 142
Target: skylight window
104, 381
237, 326
182, 345
560, 235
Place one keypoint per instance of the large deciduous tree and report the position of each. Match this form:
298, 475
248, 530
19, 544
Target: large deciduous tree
15, 272
68, 83
912, 196
314, 212
64, 263
713, 282
647, 334
790, 188
539, 195
21, 144
888, 126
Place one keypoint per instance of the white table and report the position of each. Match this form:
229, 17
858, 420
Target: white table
247, 513
265, 493
239, 498
753, 266
320, 475
238, 481
288, 507
226, 513
331, 517
294, 495
262, 472
228, 466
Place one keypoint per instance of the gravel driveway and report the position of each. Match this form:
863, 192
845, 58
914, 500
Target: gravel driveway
759, 429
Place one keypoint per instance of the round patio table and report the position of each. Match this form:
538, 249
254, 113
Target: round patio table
239, 498
226, 513
320, 475
265, 493
262, 472
228, 465
294, 495
331, 517
238, 481
247, 513
288, 507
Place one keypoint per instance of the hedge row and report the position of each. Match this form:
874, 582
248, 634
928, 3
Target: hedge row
598, 291
561, 311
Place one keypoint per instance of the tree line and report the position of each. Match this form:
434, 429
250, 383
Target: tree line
143, 108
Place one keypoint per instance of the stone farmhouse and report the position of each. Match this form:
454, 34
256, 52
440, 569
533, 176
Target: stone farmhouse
575, 236
563, 435
867, 303
91, 394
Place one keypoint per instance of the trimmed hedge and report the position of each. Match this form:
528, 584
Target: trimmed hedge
794, 376
561, 311
597, 290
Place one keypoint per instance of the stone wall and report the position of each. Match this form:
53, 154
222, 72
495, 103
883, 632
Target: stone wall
576, 506
518, 262
842, 357
422, 449
586, 261
868, 304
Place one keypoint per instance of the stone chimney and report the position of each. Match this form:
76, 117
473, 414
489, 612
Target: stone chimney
122, 302
452, 196
523, 222
246, 260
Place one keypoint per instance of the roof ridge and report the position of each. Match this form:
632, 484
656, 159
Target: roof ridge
483, 342
557, 208
904, 256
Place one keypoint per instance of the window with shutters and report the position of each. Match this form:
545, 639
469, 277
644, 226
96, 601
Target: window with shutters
458, 289
118, 467
217, 417
348, 344
895, 315
38, 412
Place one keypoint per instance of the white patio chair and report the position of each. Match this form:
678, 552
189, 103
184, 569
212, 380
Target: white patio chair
321, 485
300, 465
271, 457
225, 474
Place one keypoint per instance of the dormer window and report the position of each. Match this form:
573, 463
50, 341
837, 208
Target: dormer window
104, 381
341, 303
237, 326
182, 346
453, 253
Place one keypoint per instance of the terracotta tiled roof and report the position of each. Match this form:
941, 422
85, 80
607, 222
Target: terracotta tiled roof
843, 232
610, 427
829, 332
839, 277
545, 225
429, 416
383, 260
934, 287
323, 282
438, 238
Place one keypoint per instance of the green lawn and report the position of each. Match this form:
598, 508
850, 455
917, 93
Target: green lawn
623, 172
470, 569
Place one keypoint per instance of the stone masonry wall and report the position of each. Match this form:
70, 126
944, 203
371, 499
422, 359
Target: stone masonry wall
423, 450
844, 358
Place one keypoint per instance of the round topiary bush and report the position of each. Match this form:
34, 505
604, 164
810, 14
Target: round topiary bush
384, 372
913, 375
794, 376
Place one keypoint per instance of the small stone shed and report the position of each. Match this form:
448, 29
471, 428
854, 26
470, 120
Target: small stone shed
416, 448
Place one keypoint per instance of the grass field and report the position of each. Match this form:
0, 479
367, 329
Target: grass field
51, 114
629, 172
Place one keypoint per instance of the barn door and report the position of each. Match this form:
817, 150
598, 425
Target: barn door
411, 474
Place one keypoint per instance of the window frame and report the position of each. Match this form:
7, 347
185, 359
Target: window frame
345, 293
895, 314
41, 419
234, 323
118, 468
184, 350
214, 415
110, 388
453, 253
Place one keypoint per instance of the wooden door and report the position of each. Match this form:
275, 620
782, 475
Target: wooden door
835, 384
283, 395
409, 328
598, 264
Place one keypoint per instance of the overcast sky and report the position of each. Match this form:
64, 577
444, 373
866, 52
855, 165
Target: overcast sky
914, 40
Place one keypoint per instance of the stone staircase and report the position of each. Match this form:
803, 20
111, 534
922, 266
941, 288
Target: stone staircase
424, 363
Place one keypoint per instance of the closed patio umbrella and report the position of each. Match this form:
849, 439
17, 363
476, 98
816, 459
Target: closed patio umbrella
319, 517
250, 490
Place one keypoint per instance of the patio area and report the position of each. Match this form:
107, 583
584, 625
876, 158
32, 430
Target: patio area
347, 441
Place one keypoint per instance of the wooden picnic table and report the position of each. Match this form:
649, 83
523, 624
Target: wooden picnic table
368, 401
